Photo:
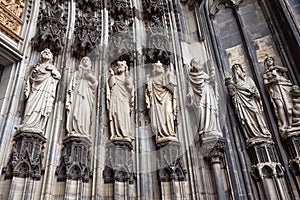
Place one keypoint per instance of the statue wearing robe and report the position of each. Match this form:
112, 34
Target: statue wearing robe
80, 99
40, 92
120, 103
248, 105
202, 97
279, 90
161, 103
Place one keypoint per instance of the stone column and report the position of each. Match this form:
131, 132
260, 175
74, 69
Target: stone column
216, 148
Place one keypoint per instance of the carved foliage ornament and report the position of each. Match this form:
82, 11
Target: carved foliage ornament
10, 22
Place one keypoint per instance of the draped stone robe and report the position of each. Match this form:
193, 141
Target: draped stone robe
205, 103
162, 105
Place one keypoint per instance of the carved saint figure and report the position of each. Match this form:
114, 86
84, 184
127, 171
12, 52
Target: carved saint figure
80, 98
248, 106
202, 96
295, 93
120, 102
40, 90
161, 102
279, 89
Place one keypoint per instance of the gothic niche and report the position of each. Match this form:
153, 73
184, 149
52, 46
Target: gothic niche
80, 100
87, 31
161, 102
120, 104
51, 27
40, 89
158, 43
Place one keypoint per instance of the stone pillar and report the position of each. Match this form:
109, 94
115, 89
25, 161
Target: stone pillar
216, 149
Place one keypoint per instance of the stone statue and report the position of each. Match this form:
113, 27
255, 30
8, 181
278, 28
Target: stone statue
279, 90
120, 99
81, 98
161, 102
295, 93
40, 92
202, 96
248, 105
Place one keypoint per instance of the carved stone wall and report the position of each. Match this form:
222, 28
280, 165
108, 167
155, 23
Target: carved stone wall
133, 41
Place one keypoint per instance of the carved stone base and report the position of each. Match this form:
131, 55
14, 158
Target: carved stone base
265, 162
170, 164
292, 147
75, 160
27, 155
118, 162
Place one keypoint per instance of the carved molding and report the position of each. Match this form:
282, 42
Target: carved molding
10, 23
118, 162
75, 160
169, 161
26, 157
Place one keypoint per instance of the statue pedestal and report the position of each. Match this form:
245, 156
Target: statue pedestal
118, 162
27, 155
75, 159
170, 164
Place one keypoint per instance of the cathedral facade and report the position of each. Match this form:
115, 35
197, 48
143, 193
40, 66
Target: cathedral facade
149, 99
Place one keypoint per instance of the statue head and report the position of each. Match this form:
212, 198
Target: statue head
46, 55
269, 61
121, 67
158, 68
237, 72
195, 63
85, 63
